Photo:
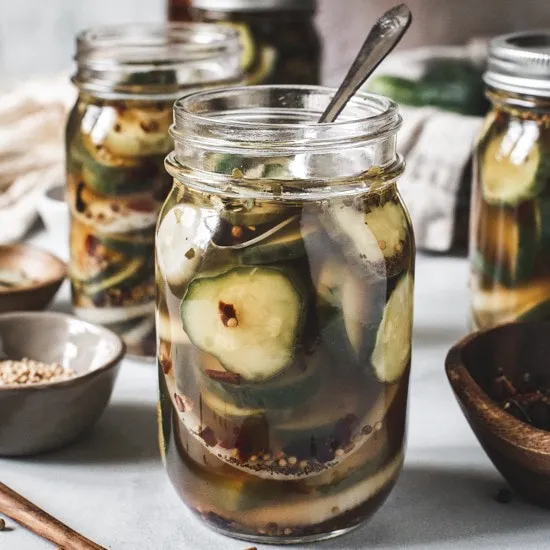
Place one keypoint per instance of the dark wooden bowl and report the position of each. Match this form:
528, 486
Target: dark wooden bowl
519, 451
45, 273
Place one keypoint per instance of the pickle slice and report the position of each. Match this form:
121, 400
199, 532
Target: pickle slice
392, 351
248, 318
375, 239
182, 239
513, 168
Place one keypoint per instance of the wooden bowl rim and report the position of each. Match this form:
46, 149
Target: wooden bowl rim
111, 363
45, 256
501, 423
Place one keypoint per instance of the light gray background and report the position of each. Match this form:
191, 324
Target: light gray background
37, 36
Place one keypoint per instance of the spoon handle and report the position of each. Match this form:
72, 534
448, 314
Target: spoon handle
29, 515
382, 39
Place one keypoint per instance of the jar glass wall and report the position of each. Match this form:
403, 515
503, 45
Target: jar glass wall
510, 228
117, 139
281, 44
285, 269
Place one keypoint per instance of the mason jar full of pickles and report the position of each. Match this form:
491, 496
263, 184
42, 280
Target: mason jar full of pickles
117, 138
510, 229
285, 274
280, 42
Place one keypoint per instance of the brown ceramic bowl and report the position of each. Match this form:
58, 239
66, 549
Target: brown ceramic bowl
43, 417
43, 274
519, 451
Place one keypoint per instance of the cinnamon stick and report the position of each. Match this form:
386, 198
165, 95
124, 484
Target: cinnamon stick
36, 520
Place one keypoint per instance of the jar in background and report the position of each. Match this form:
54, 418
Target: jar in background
117, 138
179, 10
285, 269
510, 229
280, 42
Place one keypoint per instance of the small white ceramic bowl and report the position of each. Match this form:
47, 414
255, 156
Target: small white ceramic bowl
54, 211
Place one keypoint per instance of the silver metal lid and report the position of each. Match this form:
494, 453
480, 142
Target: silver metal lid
255, 5
520, 63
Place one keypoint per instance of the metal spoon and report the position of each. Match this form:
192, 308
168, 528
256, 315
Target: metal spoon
382, 39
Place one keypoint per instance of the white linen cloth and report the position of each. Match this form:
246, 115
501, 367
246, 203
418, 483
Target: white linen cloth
32, 154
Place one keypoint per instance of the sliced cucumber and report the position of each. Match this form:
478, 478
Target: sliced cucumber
509, 246
329, 280
182, 239
226, 407
129, 270
262, 70
513, 168
288, 244
294, 387
376, 239
255, 213
139, 132
362, 310
248, 318
392, 351
309, 512
110, 315
115, 176
112, 215
132, 243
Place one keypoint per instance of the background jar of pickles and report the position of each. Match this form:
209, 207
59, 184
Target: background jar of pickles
510, 229
117, 138
285, 269
280, 42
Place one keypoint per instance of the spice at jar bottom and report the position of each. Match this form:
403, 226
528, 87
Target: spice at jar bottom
27, 371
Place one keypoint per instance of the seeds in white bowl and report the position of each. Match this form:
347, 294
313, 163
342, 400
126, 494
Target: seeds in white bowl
27, 372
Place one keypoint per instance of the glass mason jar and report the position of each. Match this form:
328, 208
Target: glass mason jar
285, 269
510, 229
280, 42
117, 138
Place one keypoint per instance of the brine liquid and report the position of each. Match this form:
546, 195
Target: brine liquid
510, 238
312, 450
116, 184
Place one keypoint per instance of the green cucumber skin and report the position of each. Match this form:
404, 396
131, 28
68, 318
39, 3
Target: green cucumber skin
263, 397
451, 85
140, 245
287, 272
273, 252
543, 207
137, 176
134, 279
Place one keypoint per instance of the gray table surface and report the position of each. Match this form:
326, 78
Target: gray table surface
112, 488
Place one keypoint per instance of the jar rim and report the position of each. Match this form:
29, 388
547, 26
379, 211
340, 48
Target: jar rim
152, 59
255, 126
379, 116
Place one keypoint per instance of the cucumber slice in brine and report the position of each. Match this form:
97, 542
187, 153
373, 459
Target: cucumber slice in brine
182, 239
508, 245
392, 350
248, 318
375, 239
513, 167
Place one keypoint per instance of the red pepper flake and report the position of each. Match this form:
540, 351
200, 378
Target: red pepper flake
165, 364
117, 128
151, 126
228, 314
223, 376
142, 205
207, 435
180, 404
90, 245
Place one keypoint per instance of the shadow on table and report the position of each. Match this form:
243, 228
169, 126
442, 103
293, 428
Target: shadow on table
431, 506
126, 433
